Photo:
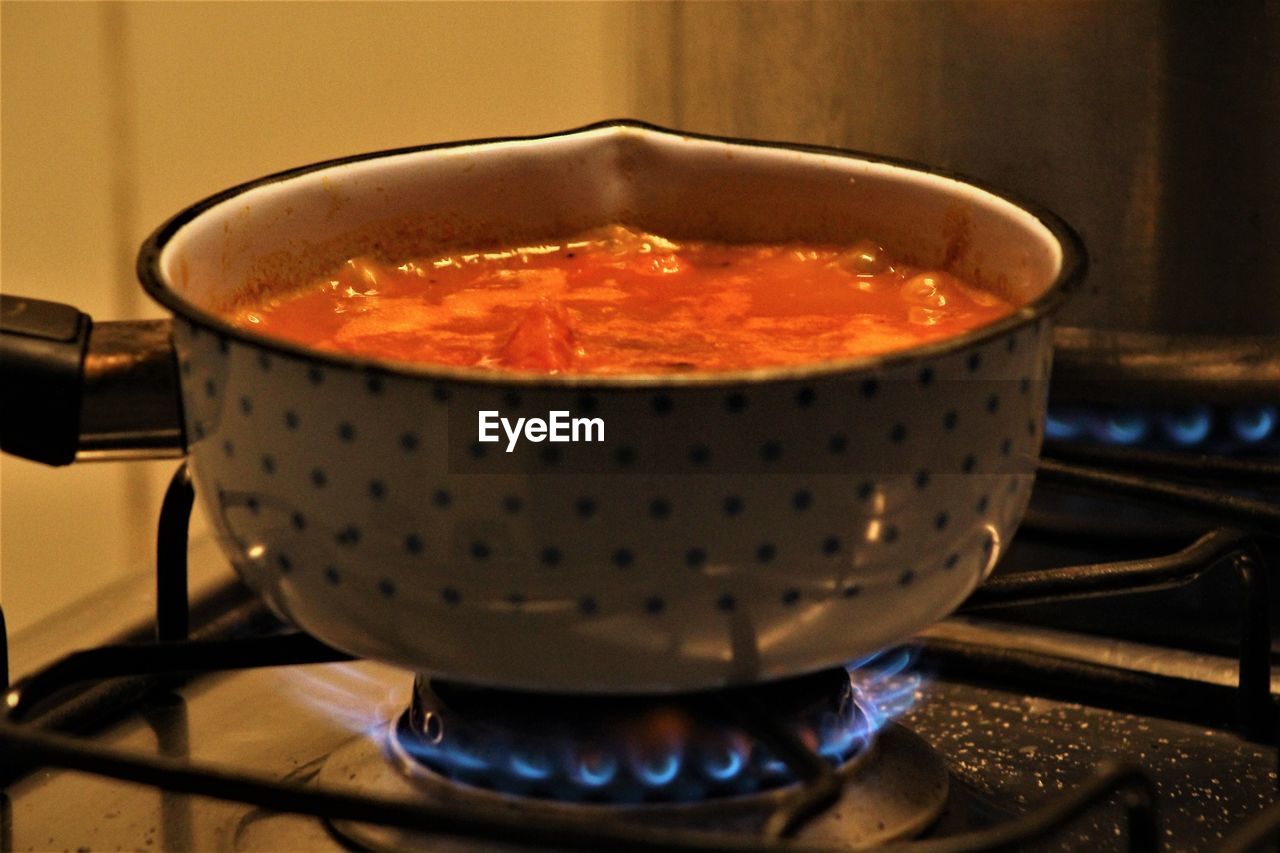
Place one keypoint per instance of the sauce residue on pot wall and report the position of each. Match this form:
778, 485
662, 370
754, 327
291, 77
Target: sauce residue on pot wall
616, 300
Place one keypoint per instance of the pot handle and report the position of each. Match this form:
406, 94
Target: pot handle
77, 390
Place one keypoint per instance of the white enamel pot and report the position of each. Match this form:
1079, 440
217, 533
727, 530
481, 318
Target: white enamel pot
731, 528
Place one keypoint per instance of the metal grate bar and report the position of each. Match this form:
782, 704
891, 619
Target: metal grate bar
1220, 506
1103, 579
176, 657
1255, 714
822, 786
173, 618
4, 652
1128, 691
1231, 470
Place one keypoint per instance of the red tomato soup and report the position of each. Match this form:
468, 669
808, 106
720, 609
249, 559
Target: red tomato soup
618, 301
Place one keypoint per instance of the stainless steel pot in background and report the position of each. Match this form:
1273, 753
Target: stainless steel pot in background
1152, 126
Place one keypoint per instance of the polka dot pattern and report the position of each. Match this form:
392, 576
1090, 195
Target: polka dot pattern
828, 491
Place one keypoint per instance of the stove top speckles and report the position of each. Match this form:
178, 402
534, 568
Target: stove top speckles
1018, 749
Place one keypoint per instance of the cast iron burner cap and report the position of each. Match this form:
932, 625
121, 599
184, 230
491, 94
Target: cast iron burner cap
629, 749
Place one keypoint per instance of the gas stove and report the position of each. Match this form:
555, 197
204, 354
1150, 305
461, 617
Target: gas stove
1110, 687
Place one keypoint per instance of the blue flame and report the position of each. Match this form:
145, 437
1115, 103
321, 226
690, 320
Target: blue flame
724, 766
596, 772
1214, 429
464, 760
1252, 425
356, 696
717, 763
1062, 426
1121, 428
883, 664
885, 687
345, 694
838, 739
1188, 428
532, 767
660, 771
458, 759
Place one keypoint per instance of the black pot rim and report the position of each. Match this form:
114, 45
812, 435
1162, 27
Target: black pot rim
1071, 272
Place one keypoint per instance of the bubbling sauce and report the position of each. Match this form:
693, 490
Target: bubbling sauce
615, 300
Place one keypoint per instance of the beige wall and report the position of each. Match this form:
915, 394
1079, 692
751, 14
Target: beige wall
113, 116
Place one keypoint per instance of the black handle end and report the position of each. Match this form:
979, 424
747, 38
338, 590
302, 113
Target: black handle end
42, 345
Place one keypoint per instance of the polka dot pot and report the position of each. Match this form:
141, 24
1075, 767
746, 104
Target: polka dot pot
729, 528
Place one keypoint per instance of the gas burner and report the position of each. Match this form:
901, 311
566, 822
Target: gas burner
628, 749
895, 789
684, 760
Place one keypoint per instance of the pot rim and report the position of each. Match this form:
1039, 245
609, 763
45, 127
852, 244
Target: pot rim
1070, 273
